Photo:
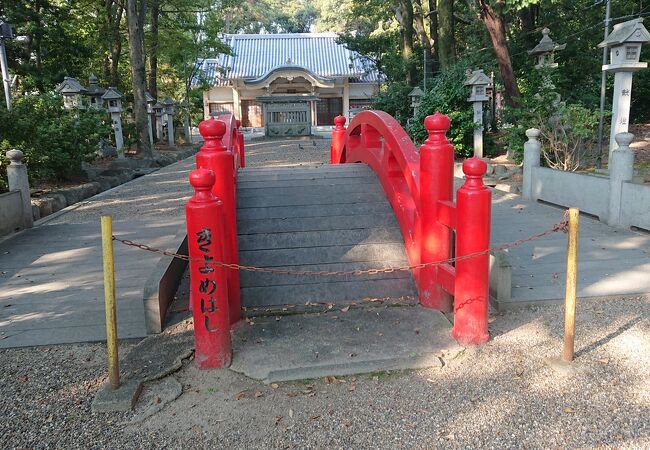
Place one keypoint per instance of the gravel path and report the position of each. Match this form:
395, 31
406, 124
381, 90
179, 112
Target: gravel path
500, 395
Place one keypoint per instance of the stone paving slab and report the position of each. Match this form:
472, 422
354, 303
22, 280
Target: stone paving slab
611, 261
342, 343
51, 276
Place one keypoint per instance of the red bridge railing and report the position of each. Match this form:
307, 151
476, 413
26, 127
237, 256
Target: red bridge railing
212, 236
419, 187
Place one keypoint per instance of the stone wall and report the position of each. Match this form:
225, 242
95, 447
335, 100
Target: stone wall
615, 199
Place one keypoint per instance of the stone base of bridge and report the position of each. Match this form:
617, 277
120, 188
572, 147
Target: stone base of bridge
342, 341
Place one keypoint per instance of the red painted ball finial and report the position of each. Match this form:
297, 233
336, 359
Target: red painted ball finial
212, 131
202, 179
212, 128
437, 126
339, 121
474, 167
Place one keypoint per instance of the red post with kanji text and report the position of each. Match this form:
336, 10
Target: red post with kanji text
208, 285
473, 201
214, 156
338, 140
436, 186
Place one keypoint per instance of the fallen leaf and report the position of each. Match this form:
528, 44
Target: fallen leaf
330, 380
568, 410
346, 309
277, 319
314, 417
241, 395
291, 413
292, 394
259, 394
604, 361
352, 387
278, 419
275, 385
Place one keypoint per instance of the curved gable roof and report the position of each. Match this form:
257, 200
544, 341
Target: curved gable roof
255, 55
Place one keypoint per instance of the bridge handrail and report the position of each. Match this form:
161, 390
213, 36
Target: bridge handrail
419, 187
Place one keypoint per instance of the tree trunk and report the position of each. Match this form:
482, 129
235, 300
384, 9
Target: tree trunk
114, 13
134, 22
433, 32
447, 40
153, 49
404, 15
418, 20
496, 27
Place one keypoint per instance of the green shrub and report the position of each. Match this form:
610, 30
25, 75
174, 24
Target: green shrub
447, 94
54, 140
394, 99
567, 129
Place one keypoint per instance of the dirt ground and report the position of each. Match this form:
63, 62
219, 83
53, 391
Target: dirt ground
500, 395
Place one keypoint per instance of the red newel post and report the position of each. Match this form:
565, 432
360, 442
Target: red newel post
472, 235
338, 140
436, 184
240, 145
214, 156
208, 287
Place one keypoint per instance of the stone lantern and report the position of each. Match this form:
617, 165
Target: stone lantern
95, 93
624, 43
545, 51
150, 102
479, 83
170, 111
113, 99
158, 110
73, 93
416, 99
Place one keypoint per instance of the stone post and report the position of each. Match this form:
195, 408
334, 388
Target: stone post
621, 169
18, 181
478, 129
170, 129
532, 156
119, 138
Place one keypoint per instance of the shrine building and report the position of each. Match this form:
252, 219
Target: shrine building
288, 83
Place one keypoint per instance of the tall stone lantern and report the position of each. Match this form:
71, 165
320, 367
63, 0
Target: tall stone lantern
158, 110
170, 111
150, 102
416, 99
479, 83
73, 93
95, 93
624, 43
545, 51
113, 99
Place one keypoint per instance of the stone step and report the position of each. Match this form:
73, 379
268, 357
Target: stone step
310, 198
287, 212
327, 291
321, 189
322, 238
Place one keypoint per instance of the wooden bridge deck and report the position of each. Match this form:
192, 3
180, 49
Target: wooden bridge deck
318, 218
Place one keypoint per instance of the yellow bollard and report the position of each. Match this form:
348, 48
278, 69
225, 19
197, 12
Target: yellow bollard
571, 280
109, 301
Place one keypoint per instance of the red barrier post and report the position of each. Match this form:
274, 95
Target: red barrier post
208, 287
472, 236
436, 185
338, 140
240, 145
214, 156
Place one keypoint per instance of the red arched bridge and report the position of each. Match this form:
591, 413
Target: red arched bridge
420, 242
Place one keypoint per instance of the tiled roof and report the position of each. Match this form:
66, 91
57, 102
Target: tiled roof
254, 55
